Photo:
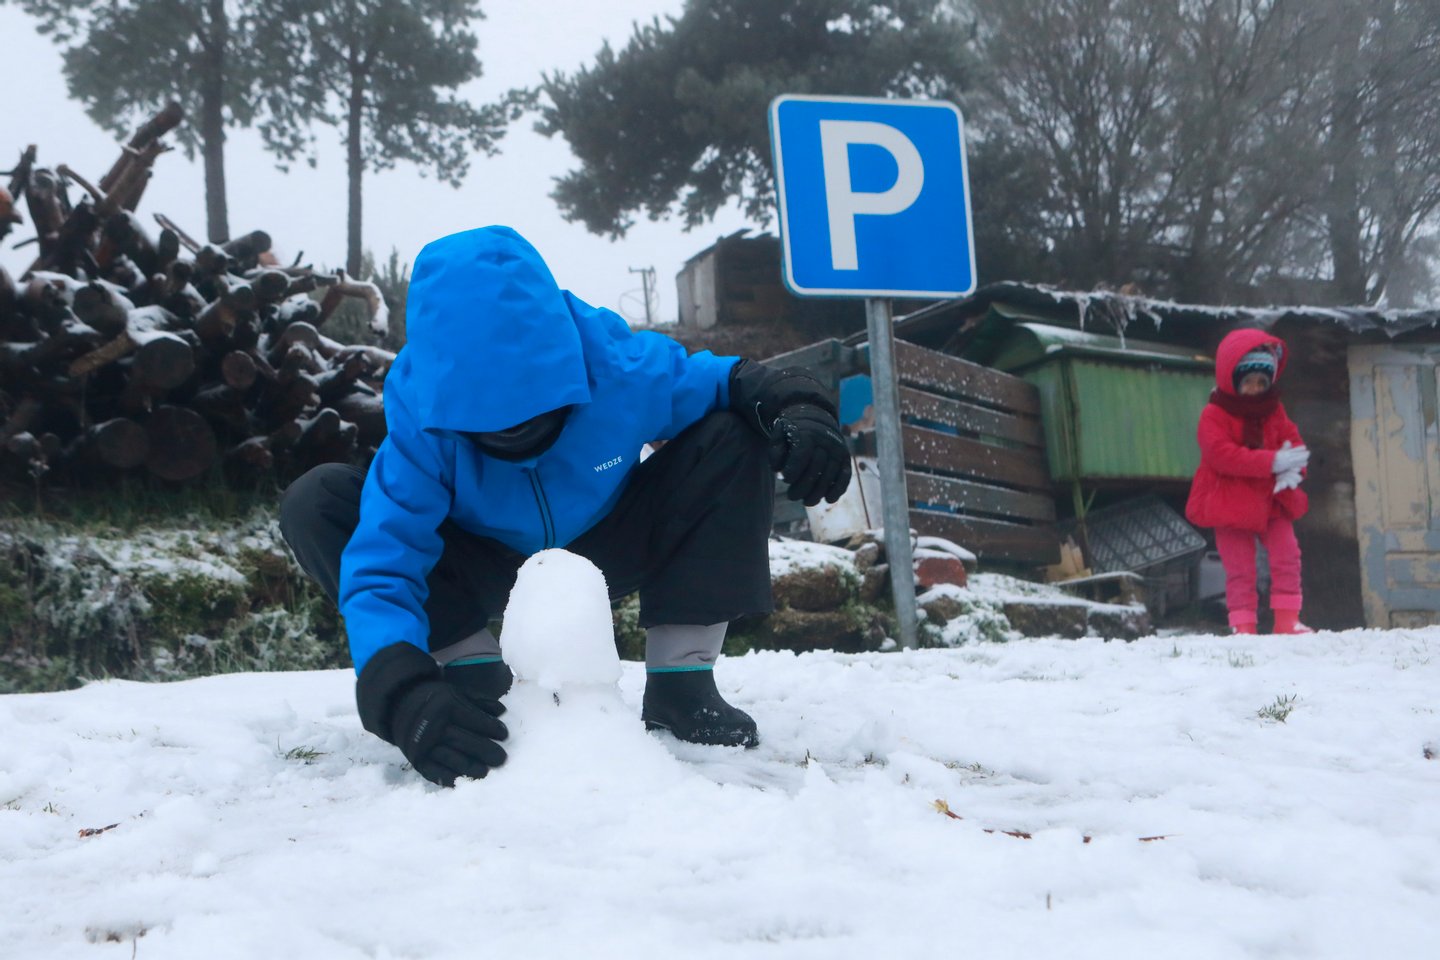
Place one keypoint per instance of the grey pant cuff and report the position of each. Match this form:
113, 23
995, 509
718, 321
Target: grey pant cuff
481, 644
683, 645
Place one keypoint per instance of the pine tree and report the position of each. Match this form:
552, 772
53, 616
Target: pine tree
129, 58
678, 117
384, 72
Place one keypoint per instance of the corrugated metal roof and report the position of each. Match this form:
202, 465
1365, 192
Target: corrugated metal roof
1027, 344
1114, 311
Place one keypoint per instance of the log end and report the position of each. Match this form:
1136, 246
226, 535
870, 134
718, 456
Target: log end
182, 445
164, 362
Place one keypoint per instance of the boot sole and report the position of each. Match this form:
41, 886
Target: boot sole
748, 742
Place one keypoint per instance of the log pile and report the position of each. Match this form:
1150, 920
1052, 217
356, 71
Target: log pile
123, 351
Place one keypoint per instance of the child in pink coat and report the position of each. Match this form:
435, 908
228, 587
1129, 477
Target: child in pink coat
1252, 460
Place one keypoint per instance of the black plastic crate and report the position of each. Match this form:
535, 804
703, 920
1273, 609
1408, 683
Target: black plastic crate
1146, 536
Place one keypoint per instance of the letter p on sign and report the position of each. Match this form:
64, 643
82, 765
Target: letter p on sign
841, 199
873, 197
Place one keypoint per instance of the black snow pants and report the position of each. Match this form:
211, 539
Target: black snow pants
690, 532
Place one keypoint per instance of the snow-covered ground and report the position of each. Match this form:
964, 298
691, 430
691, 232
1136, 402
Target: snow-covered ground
249, 816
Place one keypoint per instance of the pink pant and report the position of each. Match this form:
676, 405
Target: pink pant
1237, 554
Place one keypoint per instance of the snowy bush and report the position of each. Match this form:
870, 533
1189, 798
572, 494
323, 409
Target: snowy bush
192, 595
183, 599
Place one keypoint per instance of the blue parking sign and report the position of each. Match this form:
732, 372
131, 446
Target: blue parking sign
873, 196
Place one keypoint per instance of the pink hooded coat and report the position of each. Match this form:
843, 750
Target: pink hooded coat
1234, 484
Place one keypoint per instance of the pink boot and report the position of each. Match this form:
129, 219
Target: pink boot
1288, 621
1243, 623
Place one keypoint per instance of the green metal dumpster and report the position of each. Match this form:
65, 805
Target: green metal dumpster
1112, 408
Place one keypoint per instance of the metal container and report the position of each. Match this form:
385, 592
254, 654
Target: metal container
1112, 409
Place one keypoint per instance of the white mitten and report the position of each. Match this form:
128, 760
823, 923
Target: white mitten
1288, 480
1290, 458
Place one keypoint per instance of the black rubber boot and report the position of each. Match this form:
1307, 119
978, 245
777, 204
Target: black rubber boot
686, 703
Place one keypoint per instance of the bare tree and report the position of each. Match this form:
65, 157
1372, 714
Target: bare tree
129, 58
1202, 147
387, 73
1082, 83
1241, 156
1383, 139
675, 122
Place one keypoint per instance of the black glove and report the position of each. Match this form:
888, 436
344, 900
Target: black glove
810, 454
488, 681
759, 393
444, 732
796, 413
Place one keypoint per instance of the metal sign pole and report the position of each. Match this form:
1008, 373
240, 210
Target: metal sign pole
913, 238
892, 467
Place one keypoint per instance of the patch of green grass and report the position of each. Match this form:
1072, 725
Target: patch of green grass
977, 768
131, 502
737, 643
15, 603
189, 603
976, 620
629, 636
306, 755
1278, 710
1239, 659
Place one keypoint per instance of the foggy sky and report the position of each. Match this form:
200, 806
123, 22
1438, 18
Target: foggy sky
305, 209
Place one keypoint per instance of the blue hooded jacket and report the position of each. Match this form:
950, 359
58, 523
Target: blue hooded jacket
492, 342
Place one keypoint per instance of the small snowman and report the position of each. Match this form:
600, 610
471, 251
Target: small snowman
565, 709
558, 632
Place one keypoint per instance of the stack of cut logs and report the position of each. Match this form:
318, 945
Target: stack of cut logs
120, 352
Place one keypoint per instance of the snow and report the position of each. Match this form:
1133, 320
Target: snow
1118, 310
553, 644
153, 553
790, 556
940, 547
253, 817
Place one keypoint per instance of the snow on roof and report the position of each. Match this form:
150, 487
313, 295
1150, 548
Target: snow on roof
1114, 310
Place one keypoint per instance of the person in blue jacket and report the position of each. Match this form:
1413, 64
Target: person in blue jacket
516, 414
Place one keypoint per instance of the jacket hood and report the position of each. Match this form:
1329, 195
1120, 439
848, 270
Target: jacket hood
1236, 344
491, 340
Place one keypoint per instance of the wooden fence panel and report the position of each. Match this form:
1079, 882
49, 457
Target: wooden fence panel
946, 453
964, 496
970, 418
950, 376
976, 470
991, 539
